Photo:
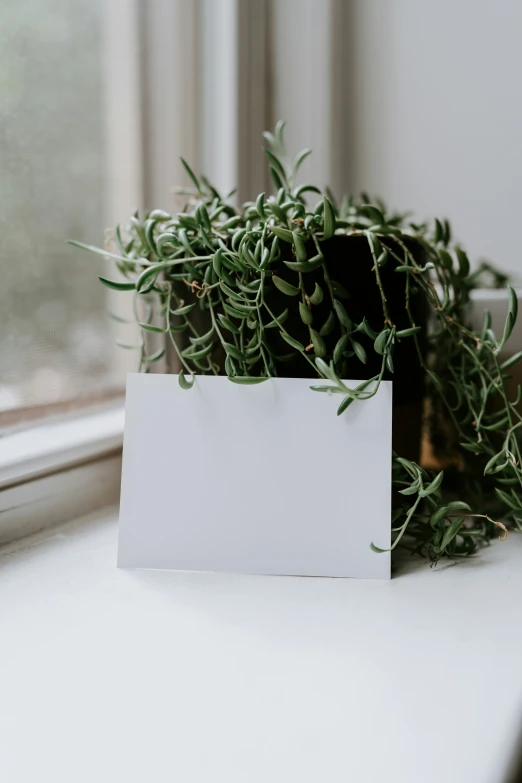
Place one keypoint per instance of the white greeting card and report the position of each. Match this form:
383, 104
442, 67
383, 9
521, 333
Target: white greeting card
262, 479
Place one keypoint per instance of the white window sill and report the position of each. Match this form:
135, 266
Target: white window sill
53, 446
56, 471
119, 675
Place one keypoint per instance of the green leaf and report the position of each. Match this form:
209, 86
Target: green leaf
246, 380
227, 323
155, 356
202, 338
326, 369
202, 217
494, 459
276, 163
446, 259
282, 233
251, 288
117, 286
511, 316
377, 549
244, 308
300, 247
98, 250
328, 325
284, 287
374, 214
306, 266
279, 132
345, 404
389, 362
305, 313
451, 532
318, 343
513, 303
190, 353
331, 389
279, 321
365, 327
230, 292
290, 340
230, 367
511, 361
508, 328
359, 351
233, 312
434, 486
442, 512
410, 490
300, 158
278, 182
381, 261
159, 214
304, 189
340, 347
409, 467
217, 260
342, 315
507, 499
260, 205
463, 262
380, 342
329, 219
184, 310
408, 332
183, 381
155, 269
349, 399
191, 175
234, 351
152, 328
375, 243
317, 296
278, 211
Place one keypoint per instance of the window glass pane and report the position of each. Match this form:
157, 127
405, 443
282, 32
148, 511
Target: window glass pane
55, 340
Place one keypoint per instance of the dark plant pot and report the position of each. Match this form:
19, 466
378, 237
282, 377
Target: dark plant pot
350, 266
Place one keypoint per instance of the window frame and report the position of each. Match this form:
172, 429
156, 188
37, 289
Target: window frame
48, 469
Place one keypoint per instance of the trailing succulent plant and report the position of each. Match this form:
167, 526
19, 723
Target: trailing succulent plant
253, 290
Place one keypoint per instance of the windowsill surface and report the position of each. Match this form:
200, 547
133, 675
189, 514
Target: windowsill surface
153, 675
50, 446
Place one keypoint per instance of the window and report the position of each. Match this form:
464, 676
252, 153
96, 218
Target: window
54, 344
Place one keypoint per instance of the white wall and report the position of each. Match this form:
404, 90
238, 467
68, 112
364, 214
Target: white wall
301, 83
437, 114
416, 100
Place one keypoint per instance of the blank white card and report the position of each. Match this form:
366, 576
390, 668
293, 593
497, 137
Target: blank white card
262, 479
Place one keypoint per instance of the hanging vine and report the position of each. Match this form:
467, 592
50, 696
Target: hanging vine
227, 267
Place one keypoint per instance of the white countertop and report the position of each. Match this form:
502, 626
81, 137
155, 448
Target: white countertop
112, 675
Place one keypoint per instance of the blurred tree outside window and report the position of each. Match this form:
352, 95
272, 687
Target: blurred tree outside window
55, 341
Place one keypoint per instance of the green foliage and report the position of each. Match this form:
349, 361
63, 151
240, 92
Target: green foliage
224, 267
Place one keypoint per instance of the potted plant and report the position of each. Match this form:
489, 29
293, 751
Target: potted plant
336, 291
